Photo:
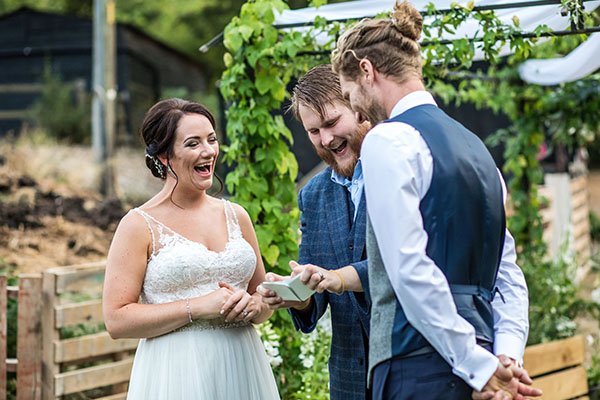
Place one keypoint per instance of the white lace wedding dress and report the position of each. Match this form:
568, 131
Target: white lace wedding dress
206, 359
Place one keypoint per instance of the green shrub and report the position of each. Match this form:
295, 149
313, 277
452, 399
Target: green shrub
60, 113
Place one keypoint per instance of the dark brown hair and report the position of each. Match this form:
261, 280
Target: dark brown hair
160, 126
391, 45
317, 89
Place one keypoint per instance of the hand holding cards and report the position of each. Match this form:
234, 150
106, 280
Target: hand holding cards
290, 289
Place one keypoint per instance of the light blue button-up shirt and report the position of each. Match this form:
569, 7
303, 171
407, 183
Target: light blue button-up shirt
354, 186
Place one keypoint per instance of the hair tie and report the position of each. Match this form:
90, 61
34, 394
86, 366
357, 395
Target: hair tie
151, 149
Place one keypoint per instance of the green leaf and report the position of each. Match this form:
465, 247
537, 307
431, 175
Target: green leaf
271, 254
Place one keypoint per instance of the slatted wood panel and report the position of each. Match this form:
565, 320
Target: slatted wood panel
79, 313
90, 346
543, 358
29, 334
564, 356
87, 278
115, 356
93, 377
50, 335
123, 396
563, 385
580, 210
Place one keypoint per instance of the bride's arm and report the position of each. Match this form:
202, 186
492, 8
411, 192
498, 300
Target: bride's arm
263, 312
125, 269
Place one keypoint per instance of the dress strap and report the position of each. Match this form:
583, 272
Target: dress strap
147, 218
233, 225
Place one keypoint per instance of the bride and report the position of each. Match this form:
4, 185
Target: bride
194, 262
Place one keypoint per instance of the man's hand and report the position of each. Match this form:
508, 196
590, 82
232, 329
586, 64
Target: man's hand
275, 302
524, 390
501, 386
317, 278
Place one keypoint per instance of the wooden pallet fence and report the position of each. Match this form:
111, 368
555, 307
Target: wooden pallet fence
27, 365
556, 368
580, 217
65, 362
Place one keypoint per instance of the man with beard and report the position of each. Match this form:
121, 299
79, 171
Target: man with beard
437, 243
333, 230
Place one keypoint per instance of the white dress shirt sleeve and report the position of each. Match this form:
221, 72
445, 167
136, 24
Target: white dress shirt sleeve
511, 310
397, 168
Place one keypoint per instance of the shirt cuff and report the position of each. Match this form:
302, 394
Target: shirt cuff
509, 345
478, 368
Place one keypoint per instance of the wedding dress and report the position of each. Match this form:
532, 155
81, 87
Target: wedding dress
206, 359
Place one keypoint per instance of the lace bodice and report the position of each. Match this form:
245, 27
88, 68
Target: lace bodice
180, 268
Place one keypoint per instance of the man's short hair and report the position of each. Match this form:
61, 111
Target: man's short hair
317, 89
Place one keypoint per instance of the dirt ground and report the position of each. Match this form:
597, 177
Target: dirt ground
50, 214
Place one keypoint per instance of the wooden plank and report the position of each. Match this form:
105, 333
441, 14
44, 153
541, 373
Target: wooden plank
13, 292
13, 114
547, 215
3, 332
79, 313
93, 377
580, 214
90, 346
542, 358
118, 396
579, 200
49, 335
80, 278
581, 229
29, 334
21, 87
578, 184
562, 385
11, 365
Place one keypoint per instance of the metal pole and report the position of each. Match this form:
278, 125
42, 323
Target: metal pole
110, 75
98, 142
104, 93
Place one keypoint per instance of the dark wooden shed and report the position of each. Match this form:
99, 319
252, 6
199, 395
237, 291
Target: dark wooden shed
30, 40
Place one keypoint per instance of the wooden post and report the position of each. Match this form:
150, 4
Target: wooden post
3, 320
29, 338
49, 336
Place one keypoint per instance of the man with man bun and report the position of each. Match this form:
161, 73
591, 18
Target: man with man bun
437, 242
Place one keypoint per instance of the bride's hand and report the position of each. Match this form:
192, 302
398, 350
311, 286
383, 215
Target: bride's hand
240, 306
215, 301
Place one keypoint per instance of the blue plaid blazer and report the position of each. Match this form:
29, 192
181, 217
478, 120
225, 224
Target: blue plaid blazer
331, 240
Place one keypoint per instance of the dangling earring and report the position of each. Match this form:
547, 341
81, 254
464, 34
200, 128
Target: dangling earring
159, 166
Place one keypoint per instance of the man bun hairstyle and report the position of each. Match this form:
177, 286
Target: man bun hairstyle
391, 45
407, 20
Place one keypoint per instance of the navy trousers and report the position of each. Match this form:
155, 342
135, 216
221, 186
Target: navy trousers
423, 377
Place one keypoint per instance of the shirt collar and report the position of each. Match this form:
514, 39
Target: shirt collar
411, 100
344, 181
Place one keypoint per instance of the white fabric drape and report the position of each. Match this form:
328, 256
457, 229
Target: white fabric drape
529, 17
581, 62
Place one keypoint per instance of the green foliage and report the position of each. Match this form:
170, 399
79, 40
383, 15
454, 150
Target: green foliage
59, 112
260, 62
594, 226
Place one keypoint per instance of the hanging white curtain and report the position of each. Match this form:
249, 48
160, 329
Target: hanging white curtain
581, 62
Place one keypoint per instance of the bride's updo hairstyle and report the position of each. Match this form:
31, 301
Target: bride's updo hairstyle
391, 45
159, 130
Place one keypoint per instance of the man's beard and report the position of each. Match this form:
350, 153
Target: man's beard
372, 111
354, 144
